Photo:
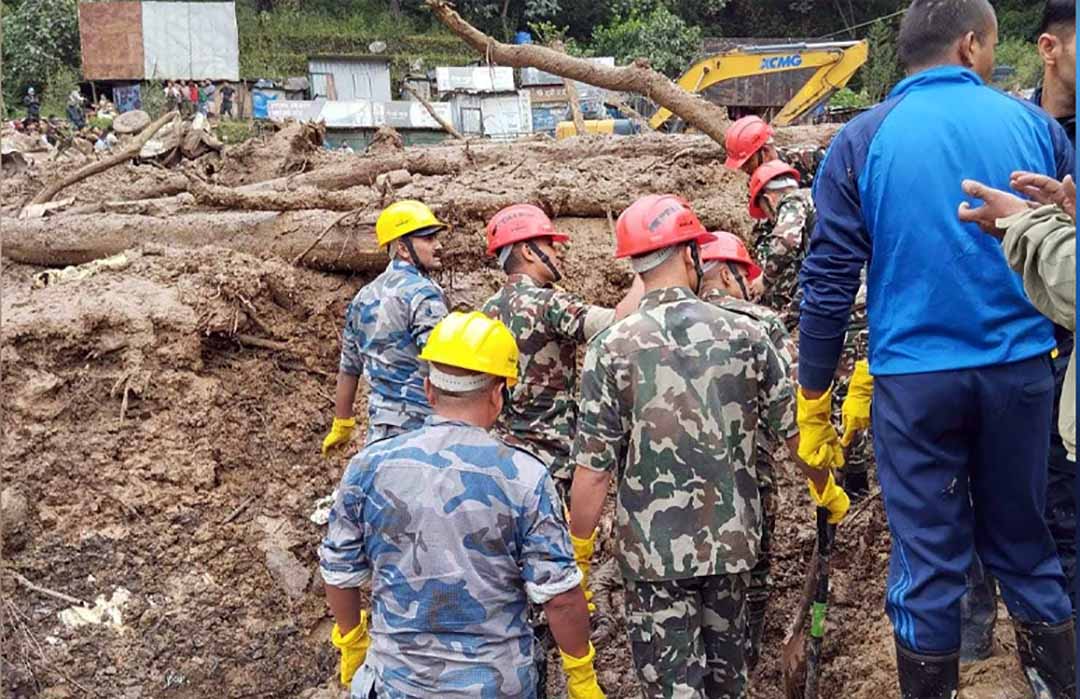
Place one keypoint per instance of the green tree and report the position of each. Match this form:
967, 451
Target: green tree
41, 37
657, 34
882, 69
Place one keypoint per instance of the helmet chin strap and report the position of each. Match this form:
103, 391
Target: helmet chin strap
695, 254
546, 260
412, 254
738, 280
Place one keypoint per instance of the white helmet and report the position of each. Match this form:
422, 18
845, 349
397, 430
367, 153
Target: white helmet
30, 90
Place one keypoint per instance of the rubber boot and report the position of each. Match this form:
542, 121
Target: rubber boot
927, 676
856, 485
978, 615
1048, 655
755, 629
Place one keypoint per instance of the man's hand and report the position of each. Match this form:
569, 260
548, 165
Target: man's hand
819, 444
1047, 190
832, 497
353, 646
583, 552
855, 411
997, 204
340, 433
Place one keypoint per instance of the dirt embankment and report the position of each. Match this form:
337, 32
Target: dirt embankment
162, 426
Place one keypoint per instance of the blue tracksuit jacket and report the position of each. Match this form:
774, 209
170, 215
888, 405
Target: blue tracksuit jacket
940, 294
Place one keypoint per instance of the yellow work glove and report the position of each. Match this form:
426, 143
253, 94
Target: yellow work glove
819, 445
855, 412
353, 647
833, 499
583, 552
340, 433
581, 676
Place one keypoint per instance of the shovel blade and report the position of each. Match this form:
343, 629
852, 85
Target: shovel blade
793, 662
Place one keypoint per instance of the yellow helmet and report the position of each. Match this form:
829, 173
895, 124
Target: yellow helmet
404, 217
475, 342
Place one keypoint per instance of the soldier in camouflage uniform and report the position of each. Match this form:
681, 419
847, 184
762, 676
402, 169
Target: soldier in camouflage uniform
672, 398
386, 326
457, 532
549, 325
789, 212
728, 273
749, 144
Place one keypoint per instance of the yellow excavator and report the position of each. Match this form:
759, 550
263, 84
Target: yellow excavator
836, 63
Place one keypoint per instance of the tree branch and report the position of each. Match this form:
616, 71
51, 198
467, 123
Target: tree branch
637, 77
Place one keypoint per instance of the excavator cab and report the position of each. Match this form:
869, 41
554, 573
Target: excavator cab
836, 63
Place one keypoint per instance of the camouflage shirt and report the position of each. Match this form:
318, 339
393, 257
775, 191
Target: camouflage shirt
548, 324
457, 533
768, 321
671, 399
805, 158
780, 249
386, 326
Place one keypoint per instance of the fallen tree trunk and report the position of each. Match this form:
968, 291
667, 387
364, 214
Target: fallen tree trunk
228, 198
637, 77
127, 153
350, 247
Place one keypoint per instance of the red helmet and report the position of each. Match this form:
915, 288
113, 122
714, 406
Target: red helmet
764, 175
744, 138
656, 221
728, 247
517, 223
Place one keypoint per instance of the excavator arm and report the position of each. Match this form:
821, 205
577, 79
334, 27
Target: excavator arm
836, 63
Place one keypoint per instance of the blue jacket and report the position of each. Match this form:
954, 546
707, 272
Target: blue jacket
940, 295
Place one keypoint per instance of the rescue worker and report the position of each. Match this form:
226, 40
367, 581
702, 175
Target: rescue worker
549, 325
670, 398
749, 144
789, 214
776, 198
1057, 96
457, 532
960, 358
386, 327
728, 272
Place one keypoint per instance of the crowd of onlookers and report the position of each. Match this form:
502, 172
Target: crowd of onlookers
189, 97
192, 97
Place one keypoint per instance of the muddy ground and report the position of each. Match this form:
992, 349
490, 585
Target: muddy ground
152, 444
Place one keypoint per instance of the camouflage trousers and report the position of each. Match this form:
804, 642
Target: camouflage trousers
688, 637
859, 456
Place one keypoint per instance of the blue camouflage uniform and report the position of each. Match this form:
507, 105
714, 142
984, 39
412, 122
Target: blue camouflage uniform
386, 326
457, 533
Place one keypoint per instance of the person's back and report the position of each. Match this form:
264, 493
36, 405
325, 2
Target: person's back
387, 322
694, 379
549, 325
450, 516
927, 269
960, 359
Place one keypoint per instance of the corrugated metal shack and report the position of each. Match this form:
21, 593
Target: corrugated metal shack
350, 78
484, 101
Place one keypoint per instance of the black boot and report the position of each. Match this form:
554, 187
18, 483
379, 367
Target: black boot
927, 676
1048, 655
755, 629
856, 485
